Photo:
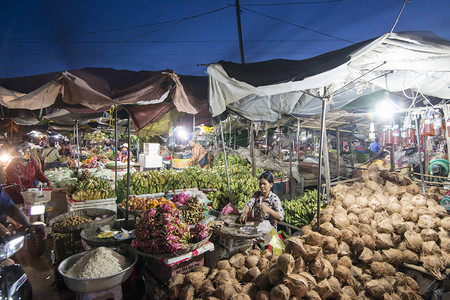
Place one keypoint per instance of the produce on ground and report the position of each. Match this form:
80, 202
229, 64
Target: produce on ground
299, 212
161, 230
141, 204
367, 233
88, 187
101, 262
193, 211
72, 221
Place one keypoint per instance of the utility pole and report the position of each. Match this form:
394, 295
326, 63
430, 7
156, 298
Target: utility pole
238, 18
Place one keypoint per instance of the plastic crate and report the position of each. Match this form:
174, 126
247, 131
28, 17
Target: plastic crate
234, 244
109, 203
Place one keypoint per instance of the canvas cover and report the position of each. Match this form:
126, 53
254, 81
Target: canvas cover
394, 62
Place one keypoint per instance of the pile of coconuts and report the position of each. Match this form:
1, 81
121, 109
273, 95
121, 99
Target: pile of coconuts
368, 231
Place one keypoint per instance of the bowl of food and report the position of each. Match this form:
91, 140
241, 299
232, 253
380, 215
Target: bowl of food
99, 269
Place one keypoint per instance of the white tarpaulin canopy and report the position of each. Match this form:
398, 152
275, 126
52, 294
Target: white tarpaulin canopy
394, 62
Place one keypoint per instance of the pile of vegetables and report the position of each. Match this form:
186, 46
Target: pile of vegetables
368, 232
160, 230
141, 204
299, 212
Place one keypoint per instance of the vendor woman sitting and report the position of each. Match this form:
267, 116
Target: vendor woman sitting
264, 204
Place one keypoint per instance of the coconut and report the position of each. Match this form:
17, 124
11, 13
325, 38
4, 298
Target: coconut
328, 229
389, 269
294, 246
314, 239
369, 241
332, 258
311, 253
256, 252
393, 256
347, 235
426, 221
343, 274
202, 269
266, 253
237, 260
280, 292
323, 289
335, 286
356, 210
385, 226
195, 279
357, 245
299, 266
430, 248
366, 256
343, 249
240, 273
262, 295
176, 279
384, 241
330, 244
378, 269
318, 268
413, 241
325, 218
240, 297
187, 292
356, 272
298, 285
345, 261
375, 288
352, 218
225, 291
445, 223
207, 289
263, 264
348, 290
413, 189
251, 274
312, 283
221, 277
410, 257
223, 265
286, 263
250, 289
340, 221
251, 261
377, 256
365, 229
275, 276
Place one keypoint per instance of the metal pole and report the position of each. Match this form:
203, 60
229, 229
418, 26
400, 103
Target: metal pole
267, 139
115, 145
420, 156
350, 145
226, 162
252, 149
392, 158
229, 137
241, 43
78, 143
319, 184
338, 151
291, 178
128, 166
326, 161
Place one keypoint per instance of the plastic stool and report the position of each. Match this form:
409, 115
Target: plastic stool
114, 293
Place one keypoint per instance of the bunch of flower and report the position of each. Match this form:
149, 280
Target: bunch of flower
160, 230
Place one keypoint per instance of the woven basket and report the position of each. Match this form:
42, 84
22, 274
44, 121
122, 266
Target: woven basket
89, 235
91, 213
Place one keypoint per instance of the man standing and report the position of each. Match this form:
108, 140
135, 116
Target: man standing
374, 146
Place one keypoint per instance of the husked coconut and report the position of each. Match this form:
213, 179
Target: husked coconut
365, 229
343, 274
330, 244
262, 281
385, 226
263, 264
343, 249
426, 221
369, 241
298, 285
445, 223
332, 258
413, 189
240, 297
251, 274
353, 219
311, 253
275, 276
413, 241
312, 283
377, 269
250, 289
323, 289
410, 257
393, 256
347, 236
262, 295
314, 239
237, 260
225, 291
312, 295
295, 247
384, 241
356, 272
223, 265
345, 261
240, 273
377, 256
221, 277
251, 261
366, 256
430, 248
280, 292
286, 263
255, 252
357, 245
187, 292
340, 221
206, 289
195, 279
299, 266
335, 286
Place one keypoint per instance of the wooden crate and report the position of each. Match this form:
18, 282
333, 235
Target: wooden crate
164, 272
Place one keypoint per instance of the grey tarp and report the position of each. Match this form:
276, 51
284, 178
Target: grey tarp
395, 62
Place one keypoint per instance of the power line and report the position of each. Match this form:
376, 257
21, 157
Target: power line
114, 44
116, 29
398, 16
296, 25
291, 3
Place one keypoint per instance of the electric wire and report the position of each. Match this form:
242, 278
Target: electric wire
398, 16
290, 3
296, 25
117, 29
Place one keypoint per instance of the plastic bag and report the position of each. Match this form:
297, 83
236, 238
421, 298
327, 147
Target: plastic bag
229, 209
276, 243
